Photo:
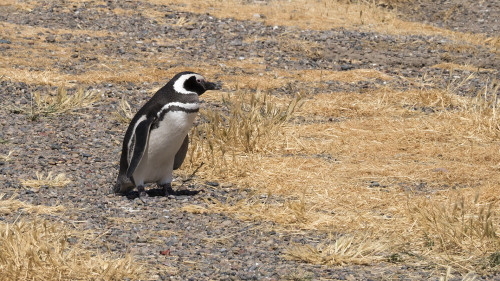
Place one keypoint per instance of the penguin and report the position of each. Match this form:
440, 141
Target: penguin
156, 140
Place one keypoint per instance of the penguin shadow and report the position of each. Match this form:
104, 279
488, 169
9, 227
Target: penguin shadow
158, 192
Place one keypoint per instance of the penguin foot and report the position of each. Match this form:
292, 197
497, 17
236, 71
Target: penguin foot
166, 189
142, 193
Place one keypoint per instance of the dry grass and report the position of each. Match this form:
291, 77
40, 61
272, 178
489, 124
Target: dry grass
288, 213
453, 66
457, 229
325, 171
194, 209
36, 65
6, 157
251, 123
350, 76
35, 77
11, 205
281, 78
12, 31
50, 180
340, 251
120, 72
20, 5
124, 113
325, 14
470, 276
61, 102
39, 250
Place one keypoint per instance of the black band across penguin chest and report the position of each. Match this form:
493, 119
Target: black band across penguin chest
173, 108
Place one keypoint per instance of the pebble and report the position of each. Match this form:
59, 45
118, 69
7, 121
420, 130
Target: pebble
345, 67
212, 183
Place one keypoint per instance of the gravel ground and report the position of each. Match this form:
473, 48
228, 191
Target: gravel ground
459, 15
86, 146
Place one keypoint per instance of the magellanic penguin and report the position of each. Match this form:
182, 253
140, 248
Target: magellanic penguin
156, 140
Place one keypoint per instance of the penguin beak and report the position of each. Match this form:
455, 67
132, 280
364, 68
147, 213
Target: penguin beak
212, 86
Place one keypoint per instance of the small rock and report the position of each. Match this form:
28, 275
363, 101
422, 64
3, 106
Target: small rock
50, 39
165, 252
236, 42
212, 183
346, 67
55, 146
440, 170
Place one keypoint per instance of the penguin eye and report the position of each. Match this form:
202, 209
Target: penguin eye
198, 80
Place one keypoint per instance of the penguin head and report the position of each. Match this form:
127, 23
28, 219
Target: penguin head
190, 82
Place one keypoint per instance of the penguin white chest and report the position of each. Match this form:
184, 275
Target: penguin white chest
165, 139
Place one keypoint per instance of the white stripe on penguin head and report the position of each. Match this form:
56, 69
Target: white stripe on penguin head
179, 84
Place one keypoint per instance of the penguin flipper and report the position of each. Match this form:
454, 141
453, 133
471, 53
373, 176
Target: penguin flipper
141, 136
181, 153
